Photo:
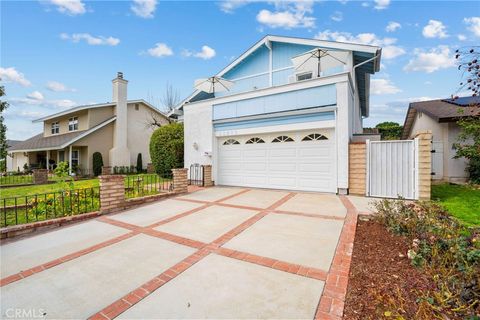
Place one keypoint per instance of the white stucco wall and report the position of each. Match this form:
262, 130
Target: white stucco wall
139, 132
18, 161
447, 133
198, 129
344, 131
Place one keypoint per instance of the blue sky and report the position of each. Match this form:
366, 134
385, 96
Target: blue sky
59, 53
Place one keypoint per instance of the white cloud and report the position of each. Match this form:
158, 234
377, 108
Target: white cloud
381, 4
461, 37
70, 7
430, 61
473, 25
288, 15
229, 6
206, 53
35, 95
390, 51
144, 8
58, 87
37, 99
393, 26
337, 16
91, 40
435, 29
12, 75
383, 86
160, 50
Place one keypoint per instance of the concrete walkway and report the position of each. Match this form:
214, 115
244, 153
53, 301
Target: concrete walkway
214, 253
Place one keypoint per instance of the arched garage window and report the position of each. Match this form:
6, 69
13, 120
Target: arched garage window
254, 140
314, 137
282, 139
230, 142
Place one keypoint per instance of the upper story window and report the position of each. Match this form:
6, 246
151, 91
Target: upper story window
55, 127
73, 124
137, 106
304, 76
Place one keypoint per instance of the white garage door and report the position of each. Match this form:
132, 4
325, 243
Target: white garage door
288, 160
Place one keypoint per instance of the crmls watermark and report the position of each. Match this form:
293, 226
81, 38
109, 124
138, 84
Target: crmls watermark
19, 313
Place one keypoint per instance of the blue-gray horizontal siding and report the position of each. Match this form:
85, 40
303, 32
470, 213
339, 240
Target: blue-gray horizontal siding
285, 101
275, 121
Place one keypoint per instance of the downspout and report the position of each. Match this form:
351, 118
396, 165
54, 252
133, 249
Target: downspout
355, 80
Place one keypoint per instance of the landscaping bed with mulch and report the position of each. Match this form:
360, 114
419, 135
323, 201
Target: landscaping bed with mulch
381, 271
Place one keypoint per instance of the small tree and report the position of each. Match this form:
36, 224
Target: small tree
3, 127
166, 148
389, 130
468, 145
97, 163
139, 163
65, 181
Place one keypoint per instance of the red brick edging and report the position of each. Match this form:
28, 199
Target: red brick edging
332, 301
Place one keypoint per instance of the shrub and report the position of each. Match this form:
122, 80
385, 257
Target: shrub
166, 148
139, 163
97, 163
447, 251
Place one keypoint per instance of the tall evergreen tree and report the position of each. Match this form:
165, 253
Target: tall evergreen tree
3, 127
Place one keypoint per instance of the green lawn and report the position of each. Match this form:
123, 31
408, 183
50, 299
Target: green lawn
463, 202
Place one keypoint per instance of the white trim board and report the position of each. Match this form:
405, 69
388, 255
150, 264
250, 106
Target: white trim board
284, 127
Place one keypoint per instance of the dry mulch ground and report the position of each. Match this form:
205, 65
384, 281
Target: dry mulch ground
380, 271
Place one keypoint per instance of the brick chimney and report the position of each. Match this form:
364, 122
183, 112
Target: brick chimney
119, 154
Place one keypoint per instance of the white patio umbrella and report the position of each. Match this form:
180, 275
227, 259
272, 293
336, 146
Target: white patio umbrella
213, 84
319, 59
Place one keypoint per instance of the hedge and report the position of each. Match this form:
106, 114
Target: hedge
166, 148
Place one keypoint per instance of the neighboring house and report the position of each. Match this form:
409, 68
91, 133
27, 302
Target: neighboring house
280, 127
440, 116
9, 164
119, 130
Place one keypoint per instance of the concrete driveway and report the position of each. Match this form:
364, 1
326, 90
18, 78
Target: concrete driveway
215, 253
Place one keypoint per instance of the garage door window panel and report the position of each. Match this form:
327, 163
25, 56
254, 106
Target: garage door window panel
230, 142
314, 137
254, 140
282, 139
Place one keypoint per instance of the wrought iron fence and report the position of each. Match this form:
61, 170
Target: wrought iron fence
195, 175
15, 179
147, 184
46, 206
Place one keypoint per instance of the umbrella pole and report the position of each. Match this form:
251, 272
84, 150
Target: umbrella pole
318, 67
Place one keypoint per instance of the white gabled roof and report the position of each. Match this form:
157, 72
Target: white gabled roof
94, 106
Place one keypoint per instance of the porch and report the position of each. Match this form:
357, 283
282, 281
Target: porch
75, 156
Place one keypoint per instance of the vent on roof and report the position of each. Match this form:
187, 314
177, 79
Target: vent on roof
120, 75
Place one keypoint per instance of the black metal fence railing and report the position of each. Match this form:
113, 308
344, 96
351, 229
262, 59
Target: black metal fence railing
195, 175
40, 207
15, 179
147, 184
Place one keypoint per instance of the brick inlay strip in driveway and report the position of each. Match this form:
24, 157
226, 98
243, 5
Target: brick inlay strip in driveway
132, 298
332, 301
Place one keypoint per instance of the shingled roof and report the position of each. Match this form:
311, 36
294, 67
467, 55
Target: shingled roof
441, 110
40, 143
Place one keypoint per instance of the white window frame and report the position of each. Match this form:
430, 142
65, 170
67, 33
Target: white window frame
77, 159
55, 127
73, 124
300, 74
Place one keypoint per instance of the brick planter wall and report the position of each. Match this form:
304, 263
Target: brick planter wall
112, 192
180, 180
424, 164
150, 168
357, 176
106, 170
40, 176
207, 176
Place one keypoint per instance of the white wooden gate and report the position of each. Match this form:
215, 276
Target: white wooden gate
391, 169
437, 160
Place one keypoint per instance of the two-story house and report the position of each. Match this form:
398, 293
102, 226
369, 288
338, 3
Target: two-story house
119, 130
282, 125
